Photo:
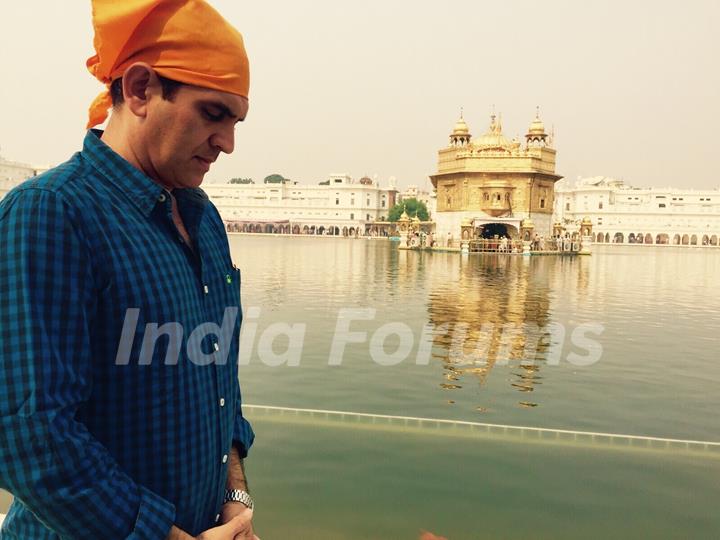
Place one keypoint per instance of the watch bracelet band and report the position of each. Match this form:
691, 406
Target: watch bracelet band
238, 495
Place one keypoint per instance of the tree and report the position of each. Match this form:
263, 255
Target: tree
412, 207
274, 179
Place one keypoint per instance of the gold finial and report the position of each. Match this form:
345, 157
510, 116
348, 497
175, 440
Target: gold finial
537, 111
461, 113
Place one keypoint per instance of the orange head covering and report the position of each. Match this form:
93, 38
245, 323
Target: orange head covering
184, 40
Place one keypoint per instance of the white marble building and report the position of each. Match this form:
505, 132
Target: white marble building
343, 206
623, 214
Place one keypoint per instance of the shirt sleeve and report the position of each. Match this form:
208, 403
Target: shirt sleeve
50, 462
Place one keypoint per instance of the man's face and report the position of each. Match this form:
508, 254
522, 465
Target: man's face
185, 135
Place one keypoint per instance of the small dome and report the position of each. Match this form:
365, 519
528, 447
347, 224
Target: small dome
461, 128
366, 181
537, 128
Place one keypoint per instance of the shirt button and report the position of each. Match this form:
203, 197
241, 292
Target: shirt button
222, 401
205, 289
162, 197
216, 346
224, 460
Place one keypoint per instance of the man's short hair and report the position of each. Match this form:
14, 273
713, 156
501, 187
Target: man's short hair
169, 89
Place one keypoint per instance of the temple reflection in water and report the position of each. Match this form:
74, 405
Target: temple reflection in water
487, 312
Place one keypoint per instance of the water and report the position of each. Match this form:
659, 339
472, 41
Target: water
493, 353
650, 317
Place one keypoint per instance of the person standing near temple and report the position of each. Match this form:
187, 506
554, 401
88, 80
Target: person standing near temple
120, 415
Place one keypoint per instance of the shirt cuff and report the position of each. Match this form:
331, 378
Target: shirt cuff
155, 517
243, 435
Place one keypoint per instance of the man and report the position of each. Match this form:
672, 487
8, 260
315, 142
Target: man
120, 410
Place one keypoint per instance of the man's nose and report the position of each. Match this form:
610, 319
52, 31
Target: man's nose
224, 139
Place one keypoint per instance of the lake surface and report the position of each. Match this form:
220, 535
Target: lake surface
622, 342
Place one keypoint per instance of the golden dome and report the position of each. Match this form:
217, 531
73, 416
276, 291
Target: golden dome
461, 128
537, 127
493, 139
404, 216
586, 221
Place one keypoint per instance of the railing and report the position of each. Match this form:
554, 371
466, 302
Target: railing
545, 245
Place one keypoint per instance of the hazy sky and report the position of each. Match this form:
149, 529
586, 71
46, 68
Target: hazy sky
632, 87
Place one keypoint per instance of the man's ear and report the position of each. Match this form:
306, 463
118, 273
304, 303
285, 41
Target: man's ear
139, 84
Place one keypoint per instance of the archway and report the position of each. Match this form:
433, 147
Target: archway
321, 230
676, 240
599, 238
662, 239
714, 240
607, 238
296, 229
345, 231
693, 240
336, 231
648, 239
491, 230
351, 231
312, 229
705, 240
619, 238
306, 230
685, 240
631, 238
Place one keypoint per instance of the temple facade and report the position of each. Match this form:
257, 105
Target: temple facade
502, 187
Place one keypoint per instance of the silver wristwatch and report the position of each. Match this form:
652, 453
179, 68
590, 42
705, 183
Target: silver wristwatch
238, 495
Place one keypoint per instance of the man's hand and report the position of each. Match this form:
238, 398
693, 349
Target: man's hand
230, 511
237, 527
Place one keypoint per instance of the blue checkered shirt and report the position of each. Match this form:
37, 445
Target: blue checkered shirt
119, 394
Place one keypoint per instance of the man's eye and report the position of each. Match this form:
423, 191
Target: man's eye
212, 115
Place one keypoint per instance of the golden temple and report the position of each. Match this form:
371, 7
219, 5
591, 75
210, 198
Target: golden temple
499, 185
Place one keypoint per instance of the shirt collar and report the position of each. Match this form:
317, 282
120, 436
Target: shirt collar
142, 190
